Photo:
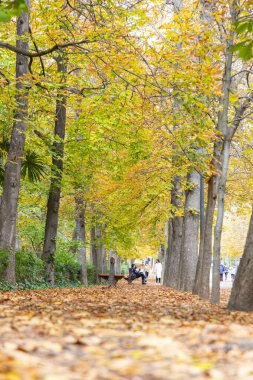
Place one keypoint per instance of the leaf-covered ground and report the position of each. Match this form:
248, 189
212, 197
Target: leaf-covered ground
131, 332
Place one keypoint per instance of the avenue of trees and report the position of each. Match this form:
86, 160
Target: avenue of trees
115, 116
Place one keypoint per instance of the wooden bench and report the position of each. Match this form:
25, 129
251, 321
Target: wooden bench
111, 278
117, 277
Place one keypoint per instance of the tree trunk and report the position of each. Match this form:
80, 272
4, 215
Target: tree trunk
99, 249
202, 207
167, 255
202, 279
92, 243
94, 260
161, 254
189, 255
111, 281
172, 259
203, 271
53, 202
240, 111
215, 296
104, 261
11, 186
202, 230
230, 131
172, 253
73, 248
118, 264
80, 236
242, 292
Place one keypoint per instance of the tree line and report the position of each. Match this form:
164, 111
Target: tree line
119, 115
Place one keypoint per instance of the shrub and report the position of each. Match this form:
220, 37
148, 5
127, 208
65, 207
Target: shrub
6, 286
29, 267
67, 268
30, 270
4, 259
91, 271
124, 268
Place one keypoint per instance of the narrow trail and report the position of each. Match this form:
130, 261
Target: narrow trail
129, 332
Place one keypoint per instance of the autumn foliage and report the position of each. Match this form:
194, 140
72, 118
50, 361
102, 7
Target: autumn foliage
126, 332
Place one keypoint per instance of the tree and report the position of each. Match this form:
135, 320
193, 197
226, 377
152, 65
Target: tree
217, 182
175, 232
80, 235
146, 98
53, 202
11, 186
242, 292
189, 254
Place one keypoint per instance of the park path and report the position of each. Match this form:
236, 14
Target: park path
129, 332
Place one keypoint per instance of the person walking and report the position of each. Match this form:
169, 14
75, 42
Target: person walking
147, 269
158, 271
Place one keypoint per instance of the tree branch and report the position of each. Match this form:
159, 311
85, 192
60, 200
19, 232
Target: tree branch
17, 50
5, 78
239, 115
37, 50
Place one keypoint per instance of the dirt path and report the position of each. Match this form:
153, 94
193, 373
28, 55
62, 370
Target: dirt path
131, 332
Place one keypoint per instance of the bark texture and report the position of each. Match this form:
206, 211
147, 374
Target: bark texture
93, 252
189, 255
111, 281
215, 296
97, 251
222, 127
216, 186
242, 292
228, 132
80, 236
172, 253
104, 261
172, 258
11, 186
202, 279
161, 254
118, 264
53, 202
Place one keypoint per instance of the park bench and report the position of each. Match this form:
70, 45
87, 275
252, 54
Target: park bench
116, 277
113, 278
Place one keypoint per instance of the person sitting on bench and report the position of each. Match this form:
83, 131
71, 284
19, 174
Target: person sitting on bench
138, 274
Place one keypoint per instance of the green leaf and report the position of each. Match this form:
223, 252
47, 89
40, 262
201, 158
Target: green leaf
11, 9
237, 47
33, 166
4, 17
250, 27
246, 52
244, 49
242, 28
